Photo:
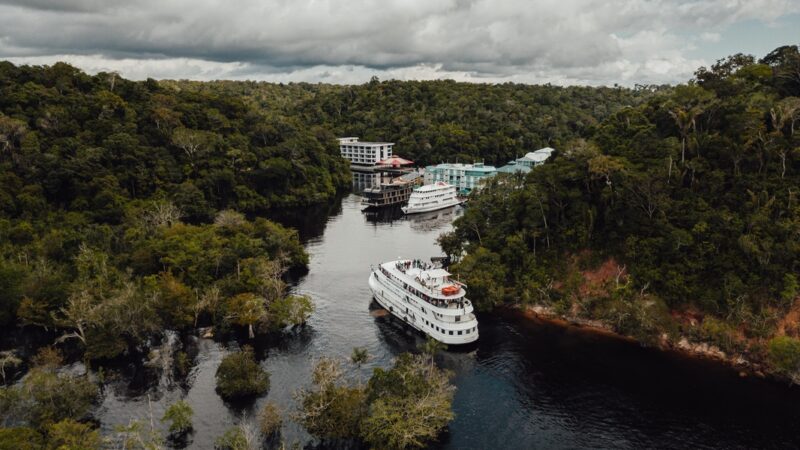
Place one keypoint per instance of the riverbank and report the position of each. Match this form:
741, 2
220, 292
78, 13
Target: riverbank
744, 366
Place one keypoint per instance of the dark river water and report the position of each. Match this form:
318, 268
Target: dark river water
527, 384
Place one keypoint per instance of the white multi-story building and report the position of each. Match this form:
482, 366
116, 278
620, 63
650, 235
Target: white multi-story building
364, 153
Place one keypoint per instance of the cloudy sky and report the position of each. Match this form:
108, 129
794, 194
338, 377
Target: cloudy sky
597, 42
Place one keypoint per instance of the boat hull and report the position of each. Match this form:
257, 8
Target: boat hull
390, 298
407, 210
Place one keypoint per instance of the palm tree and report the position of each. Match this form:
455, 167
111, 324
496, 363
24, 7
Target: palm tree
685, 119
431, 347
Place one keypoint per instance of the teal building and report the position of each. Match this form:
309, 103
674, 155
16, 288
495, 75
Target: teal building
465, 177
527, 162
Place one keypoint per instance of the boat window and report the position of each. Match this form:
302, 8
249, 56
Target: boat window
459, 332
451, 332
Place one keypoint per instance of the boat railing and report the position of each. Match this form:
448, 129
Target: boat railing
450, 304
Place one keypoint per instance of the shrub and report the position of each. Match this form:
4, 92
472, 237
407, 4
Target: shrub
719, 333
69, 434
269, 419
45, 398
20, 438
240, 376
790, 288
179, 416
240, 437
784, 354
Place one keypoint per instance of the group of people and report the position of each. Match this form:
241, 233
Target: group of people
417, 264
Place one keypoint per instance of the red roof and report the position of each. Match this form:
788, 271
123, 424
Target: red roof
395, 161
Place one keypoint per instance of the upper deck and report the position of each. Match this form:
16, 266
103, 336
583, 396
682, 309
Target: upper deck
428, 282
437, 187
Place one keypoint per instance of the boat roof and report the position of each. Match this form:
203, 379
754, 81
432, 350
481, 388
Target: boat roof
436, 273
433, 187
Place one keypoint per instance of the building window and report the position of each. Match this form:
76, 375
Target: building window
451, 332
459, 332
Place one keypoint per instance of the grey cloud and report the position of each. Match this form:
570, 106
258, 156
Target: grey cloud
575, 39
64, 5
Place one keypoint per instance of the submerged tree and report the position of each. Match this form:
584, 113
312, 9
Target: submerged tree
270, 420
240, 376
409, 404
179, 417
331, 409
246, 309
45, 397
406, 406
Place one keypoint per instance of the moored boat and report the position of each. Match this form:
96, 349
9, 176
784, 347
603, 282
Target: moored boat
388, 194
432, 197
424, 297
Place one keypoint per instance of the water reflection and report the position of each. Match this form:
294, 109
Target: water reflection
385, 215
527, 384
364, 180
434, 220
309, 221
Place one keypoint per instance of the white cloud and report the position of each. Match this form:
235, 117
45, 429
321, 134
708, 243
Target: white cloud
710, 37
560, 41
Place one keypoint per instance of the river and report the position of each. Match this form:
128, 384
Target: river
527, 384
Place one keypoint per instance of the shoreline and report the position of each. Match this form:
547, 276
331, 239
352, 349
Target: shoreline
703, 351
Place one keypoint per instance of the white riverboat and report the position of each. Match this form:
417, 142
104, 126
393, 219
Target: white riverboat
425, 297
431, 197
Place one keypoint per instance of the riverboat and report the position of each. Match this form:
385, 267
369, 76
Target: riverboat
432, 197
386, 195
426, 298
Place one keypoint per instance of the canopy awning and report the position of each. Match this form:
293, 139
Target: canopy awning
395, 161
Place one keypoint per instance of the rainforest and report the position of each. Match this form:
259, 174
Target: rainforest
135, 212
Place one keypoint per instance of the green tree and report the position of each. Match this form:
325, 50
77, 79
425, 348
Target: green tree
45, 398
485, 274
791, 288
176, 302
20, 438
331, 409
246, 309
140, 436
179, 416
240, 437
240, 376
359, 356
291, 310
784, 354
409, 404
12, 279
71, 435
